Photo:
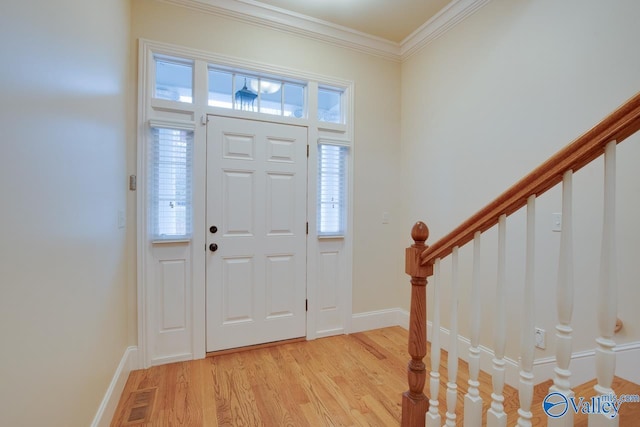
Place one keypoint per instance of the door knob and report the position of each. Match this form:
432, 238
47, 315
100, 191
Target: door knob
213, 247
213, 229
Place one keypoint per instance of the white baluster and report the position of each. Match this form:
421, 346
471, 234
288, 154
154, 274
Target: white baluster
452, 360
432, 418
472, 400
607, 291
527, 339
561, 381
496, 417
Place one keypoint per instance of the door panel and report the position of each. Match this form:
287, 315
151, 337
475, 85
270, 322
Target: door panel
281, 204
256, 197
237, 279
238, 207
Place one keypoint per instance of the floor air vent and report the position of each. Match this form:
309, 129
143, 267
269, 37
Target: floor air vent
141, 406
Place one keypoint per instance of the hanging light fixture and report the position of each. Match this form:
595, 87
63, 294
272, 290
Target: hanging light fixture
265, 86
245, 97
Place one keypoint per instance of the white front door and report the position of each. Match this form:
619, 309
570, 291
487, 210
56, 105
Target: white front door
256, 236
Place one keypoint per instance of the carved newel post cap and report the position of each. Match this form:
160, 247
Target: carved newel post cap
420, 232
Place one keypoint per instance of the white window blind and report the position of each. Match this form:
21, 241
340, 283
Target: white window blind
332, 189
170, 183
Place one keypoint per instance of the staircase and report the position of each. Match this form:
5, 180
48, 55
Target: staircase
629, 413
467, 405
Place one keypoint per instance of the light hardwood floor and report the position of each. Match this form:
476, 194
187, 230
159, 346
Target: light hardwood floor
345, 380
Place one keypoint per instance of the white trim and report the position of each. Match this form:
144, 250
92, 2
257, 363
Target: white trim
328, 333
378, 319
403, 319
151, 47
144, 59
341, 142
170, 241
107, 408
486, 356
187, 125
451, 15
331, 127
260, 14
182, 357
627, 356
263, 15
583, 365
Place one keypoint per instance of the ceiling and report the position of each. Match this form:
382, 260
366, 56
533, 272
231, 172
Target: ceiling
392, 20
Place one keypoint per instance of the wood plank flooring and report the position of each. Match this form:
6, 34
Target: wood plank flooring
348, 380
345, 380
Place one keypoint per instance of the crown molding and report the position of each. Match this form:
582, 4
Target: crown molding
260, 14
452, 14
275, 18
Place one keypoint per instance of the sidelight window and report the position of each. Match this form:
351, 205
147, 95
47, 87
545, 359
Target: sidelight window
332, 189
170, 167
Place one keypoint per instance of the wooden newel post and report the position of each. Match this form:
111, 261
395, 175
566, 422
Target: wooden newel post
414, 402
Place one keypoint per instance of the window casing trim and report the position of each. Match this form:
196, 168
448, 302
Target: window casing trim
186, 125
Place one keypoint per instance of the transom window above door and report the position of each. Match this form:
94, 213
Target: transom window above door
240, 89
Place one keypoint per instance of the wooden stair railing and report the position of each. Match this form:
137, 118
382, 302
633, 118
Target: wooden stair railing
420, 259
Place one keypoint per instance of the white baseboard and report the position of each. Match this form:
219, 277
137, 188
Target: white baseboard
111, 398
182, 357
627, 356
582, 363
512, 375
403, 318
329, 333
378, 319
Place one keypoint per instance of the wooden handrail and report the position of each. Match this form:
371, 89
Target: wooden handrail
619, 125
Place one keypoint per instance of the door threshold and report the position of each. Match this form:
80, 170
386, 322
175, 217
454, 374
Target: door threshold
254, 347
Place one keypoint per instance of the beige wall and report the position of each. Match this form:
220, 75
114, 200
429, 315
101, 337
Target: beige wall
62, 181
493, 98
377, 249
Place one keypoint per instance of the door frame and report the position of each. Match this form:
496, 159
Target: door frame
193, 115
